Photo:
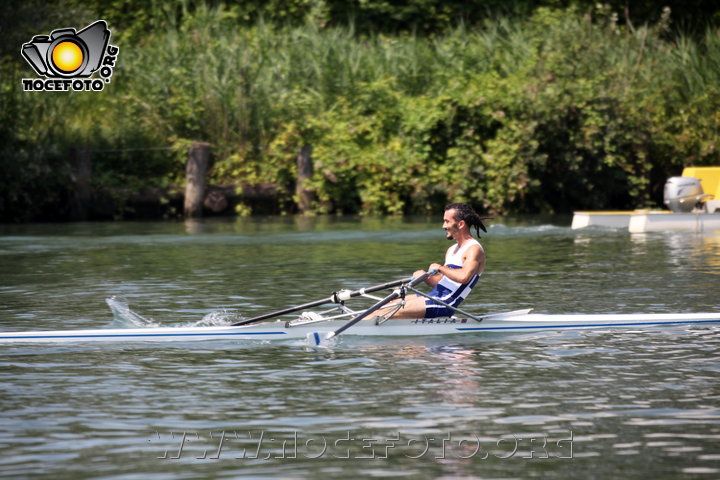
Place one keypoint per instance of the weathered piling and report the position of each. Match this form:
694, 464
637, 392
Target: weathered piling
305, 196
197, 165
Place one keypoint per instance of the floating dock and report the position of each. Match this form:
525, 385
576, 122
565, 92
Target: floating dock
639, 221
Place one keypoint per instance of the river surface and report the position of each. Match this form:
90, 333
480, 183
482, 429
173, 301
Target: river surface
641, 403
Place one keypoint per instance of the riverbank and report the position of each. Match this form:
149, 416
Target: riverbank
553, 111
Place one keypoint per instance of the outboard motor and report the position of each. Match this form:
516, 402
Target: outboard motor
683, 194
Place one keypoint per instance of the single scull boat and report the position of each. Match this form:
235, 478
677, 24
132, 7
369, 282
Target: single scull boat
277, 330
316, 327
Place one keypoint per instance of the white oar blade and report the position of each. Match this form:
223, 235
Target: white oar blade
320, 339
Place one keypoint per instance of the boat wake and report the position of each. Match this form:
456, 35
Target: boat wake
124, 317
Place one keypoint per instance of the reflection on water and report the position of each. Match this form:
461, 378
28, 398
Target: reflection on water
617, 404
699, 252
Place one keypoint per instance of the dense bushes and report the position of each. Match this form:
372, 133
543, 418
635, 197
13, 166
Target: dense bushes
559, 110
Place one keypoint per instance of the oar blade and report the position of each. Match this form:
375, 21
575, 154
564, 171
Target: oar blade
314, 338
321, 339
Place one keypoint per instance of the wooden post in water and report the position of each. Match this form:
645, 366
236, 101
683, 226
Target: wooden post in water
197, 165
81, 162
304, 195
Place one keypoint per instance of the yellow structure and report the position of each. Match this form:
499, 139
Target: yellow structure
709, 179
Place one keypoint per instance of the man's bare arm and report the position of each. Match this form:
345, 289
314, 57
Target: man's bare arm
473, 264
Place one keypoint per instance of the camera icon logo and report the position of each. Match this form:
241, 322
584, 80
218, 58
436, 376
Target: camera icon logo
68, 54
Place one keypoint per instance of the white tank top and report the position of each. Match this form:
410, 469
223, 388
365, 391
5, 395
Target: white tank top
448, 289
454, 256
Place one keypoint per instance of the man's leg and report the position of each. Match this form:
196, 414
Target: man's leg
414, 308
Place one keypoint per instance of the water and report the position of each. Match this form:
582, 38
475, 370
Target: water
603, 404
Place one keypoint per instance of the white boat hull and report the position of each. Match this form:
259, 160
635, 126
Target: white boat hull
393, 328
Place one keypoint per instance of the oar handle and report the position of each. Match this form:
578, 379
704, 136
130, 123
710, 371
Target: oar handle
421, 278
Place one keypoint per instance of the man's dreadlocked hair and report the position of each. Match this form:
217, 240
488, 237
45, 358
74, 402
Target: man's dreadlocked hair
463, 211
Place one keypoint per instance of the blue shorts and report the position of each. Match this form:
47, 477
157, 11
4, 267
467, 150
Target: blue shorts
434, 309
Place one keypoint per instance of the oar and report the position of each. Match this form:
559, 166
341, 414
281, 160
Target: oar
336, 297
395, 294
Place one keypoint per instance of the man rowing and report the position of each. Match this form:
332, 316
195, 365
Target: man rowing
452, 281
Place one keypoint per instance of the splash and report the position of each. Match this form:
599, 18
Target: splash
218, 318
123, 317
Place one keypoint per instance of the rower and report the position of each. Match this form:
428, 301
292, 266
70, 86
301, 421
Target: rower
452, 281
